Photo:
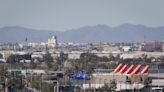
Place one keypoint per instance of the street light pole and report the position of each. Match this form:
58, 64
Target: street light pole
85, 63
5, 79
56, 88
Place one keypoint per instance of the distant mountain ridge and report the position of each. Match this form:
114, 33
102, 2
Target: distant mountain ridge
86, 34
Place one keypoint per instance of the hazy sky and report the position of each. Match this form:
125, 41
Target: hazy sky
68, 14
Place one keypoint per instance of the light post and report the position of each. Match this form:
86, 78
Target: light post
85, 63
56, 88
41, 83
5, 79
120, 85
158, 74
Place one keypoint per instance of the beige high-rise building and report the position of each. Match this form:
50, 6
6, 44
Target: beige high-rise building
52, 41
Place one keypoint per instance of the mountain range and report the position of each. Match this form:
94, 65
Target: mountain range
86, 34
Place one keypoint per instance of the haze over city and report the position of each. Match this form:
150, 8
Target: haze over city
62, 15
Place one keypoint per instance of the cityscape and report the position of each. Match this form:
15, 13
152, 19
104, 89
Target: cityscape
81, 46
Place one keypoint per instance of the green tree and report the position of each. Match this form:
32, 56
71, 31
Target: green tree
12, 58
105, 88
108, 87
63, 57
1, 56
147, 81
113, 86
49, 64
33, 65
48, 59
44, 87
111, 57
14, 84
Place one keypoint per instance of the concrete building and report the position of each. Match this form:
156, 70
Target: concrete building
28, 71
126, 48
52, 41
102, 78
153, 46
74, 55
2, 60
139, 54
